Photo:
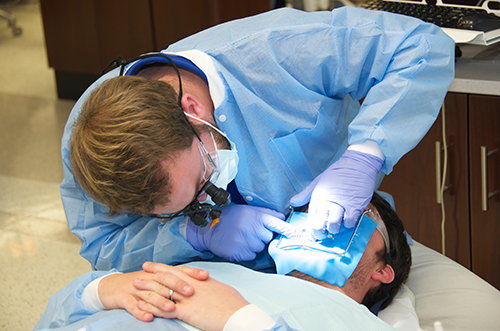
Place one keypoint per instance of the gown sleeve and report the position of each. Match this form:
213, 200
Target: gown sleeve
66, 307
401, 67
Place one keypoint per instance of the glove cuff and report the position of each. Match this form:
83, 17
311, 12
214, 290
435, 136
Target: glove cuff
372, 163
368, 147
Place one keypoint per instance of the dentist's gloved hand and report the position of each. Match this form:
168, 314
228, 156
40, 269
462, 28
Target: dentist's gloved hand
242, 231
339, 193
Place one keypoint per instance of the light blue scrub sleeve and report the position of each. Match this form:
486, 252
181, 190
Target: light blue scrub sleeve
66, 306
123, 242
286, 62
65, 311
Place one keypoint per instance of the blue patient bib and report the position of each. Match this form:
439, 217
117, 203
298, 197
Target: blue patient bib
332, 260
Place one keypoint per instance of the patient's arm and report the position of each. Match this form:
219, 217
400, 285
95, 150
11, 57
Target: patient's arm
209, 308
118, 291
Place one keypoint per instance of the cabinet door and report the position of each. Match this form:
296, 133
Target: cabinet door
175, 20
413, 183
485, 181
83, 36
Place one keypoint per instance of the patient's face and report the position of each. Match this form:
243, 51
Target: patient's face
368, 263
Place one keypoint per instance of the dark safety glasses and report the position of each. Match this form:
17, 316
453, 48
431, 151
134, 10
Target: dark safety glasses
197, 212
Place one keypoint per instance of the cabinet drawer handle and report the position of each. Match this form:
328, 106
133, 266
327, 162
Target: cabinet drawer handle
441, 172
438, 172
484, 177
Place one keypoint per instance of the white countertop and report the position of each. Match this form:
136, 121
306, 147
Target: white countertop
477, 71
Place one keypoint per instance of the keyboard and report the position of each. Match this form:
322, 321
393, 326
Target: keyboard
445, 17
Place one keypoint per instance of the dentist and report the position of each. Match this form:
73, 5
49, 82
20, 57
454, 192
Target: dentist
265, 108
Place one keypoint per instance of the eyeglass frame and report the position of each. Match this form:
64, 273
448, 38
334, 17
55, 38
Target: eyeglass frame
165, 217
204, 152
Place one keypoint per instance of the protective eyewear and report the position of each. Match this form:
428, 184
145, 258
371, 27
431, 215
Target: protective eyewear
197, 212
211, 170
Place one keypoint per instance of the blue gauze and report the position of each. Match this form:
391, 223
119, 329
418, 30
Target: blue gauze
325, 259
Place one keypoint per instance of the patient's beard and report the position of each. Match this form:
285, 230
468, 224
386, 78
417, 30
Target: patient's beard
355, 286
311, 279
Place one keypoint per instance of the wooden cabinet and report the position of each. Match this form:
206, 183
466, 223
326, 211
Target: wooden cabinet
484, 154
175, 20
83, 36
471, 234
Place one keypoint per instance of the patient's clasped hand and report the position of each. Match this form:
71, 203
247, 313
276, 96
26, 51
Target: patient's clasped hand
200, 300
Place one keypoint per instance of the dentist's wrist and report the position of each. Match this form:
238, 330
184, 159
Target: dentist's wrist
368, 147
194, 237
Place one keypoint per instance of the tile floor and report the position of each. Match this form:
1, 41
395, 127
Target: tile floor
38, 254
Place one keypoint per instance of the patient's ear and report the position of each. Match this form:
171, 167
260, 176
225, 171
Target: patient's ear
385, 275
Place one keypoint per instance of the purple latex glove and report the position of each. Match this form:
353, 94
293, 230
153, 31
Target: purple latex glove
242, 231
339, 193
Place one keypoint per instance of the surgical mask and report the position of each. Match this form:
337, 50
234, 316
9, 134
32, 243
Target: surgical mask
332, 260
226, 160
228, 165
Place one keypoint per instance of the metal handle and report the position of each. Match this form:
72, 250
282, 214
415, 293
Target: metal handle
438, 172
484, 178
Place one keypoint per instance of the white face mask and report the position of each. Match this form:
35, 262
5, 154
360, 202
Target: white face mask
226, 160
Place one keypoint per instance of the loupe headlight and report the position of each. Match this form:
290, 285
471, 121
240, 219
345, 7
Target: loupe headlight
198, 212
219, 196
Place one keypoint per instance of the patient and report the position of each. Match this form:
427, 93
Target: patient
380, 272
224, 304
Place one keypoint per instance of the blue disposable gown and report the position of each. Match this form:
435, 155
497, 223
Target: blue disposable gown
290, 85
294, 303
